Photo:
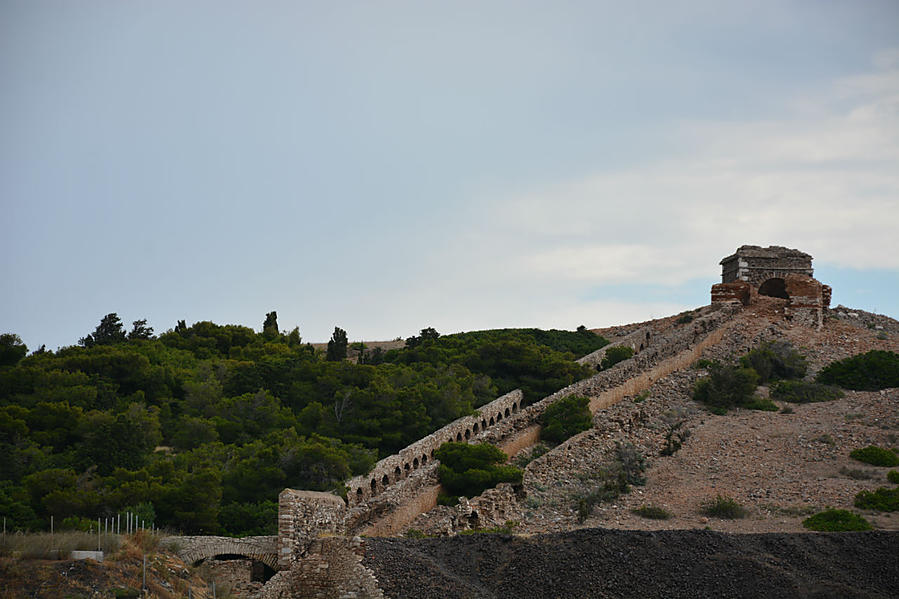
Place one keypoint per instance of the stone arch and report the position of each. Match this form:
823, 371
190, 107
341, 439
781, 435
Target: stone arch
194, 550
424, 459
385, 481
467, 434
492, 422
774, 287
458, 437
415, 463
484, 424
360, 494
499, 416
514, 407
397, 473
407, 468
507, 413
475, 427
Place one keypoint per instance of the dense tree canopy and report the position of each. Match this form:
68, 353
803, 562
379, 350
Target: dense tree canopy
204, 425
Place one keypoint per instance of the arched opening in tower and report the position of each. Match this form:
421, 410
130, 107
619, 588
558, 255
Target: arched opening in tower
774, 288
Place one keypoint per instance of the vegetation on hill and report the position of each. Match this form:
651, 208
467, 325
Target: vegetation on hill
565, 418
870, 371
876, 456
836, 521
207, 423
469, 470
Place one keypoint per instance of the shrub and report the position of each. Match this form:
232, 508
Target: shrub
653, 512
536, 451
616, 354
775, 360
871, 371
632, 463
414, 533
726, 387
760, 403
787, 410
684, 318
612, 484
836, 521
723, 507
674, 438
469, 470
704, 363
565, 418
804, 392
876, 456
883, 500
857, 473
893, 476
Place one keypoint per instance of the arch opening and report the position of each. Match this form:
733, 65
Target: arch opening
374, 486
467, 434
475, 427
415, 463
385, 480
774, 287
397, 473
507, 412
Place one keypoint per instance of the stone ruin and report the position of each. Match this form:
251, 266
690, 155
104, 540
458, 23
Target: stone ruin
774, 271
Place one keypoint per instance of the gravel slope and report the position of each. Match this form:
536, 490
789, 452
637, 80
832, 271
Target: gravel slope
620, 564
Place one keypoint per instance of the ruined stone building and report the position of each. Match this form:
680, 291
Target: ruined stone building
774, 271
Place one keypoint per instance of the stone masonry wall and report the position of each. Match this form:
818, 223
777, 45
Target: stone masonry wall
637, 341
396, 468
332, 570
303, 518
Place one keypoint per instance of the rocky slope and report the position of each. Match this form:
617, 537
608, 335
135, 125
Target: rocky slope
609, 563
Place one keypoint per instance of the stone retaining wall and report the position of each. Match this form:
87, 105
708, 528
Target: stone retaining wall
396, 468
637, 341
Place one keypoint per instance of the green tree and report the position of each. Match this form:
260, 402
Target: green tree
337, 345
11, 349
565, 418
726, 387
468, 470
109, 331
270, 326
140, 330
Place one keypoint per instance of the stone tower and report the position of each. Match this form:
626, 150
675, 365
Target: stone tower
774, 271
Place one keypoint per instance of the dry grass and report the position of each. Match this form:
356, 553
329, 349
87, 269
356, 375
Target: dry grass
54, 546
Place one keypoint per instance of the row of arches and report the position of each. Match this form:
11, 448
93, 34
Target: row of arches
377, 485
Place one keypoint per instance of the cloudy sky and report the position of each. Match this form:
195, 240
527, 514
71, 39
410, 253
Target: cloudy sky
386, 166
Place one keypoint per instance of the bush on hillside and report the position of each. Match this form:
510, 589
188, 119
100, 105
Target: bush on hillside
882, 500
726, 387
723, 507
804, 392
836, 521
616, 354
871, 371
565, 418
775, 360
893, 476
876, 456
653, 512
468, 470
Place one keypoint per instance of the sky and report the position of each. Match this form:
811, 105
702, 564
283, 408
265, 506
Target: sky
385, 166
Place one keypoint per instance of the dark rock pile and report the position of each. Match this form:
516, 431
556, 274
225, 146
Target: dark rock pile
613, 563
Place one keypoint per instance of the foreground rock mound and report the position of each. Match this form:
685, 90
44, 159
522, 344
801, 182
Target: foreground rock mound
612, 563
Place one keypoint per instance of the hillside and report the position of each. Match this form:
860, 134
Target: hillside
781, 466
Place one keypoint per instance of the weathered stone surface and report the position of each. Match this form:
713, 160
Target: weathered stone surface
304, 517
197, 548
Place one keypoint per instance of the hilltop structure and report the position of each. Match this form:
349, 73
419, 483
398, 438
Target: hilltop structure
774, 271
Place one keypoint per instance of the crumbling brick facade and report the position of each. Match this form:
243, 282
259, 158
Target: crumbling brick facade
774, 271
